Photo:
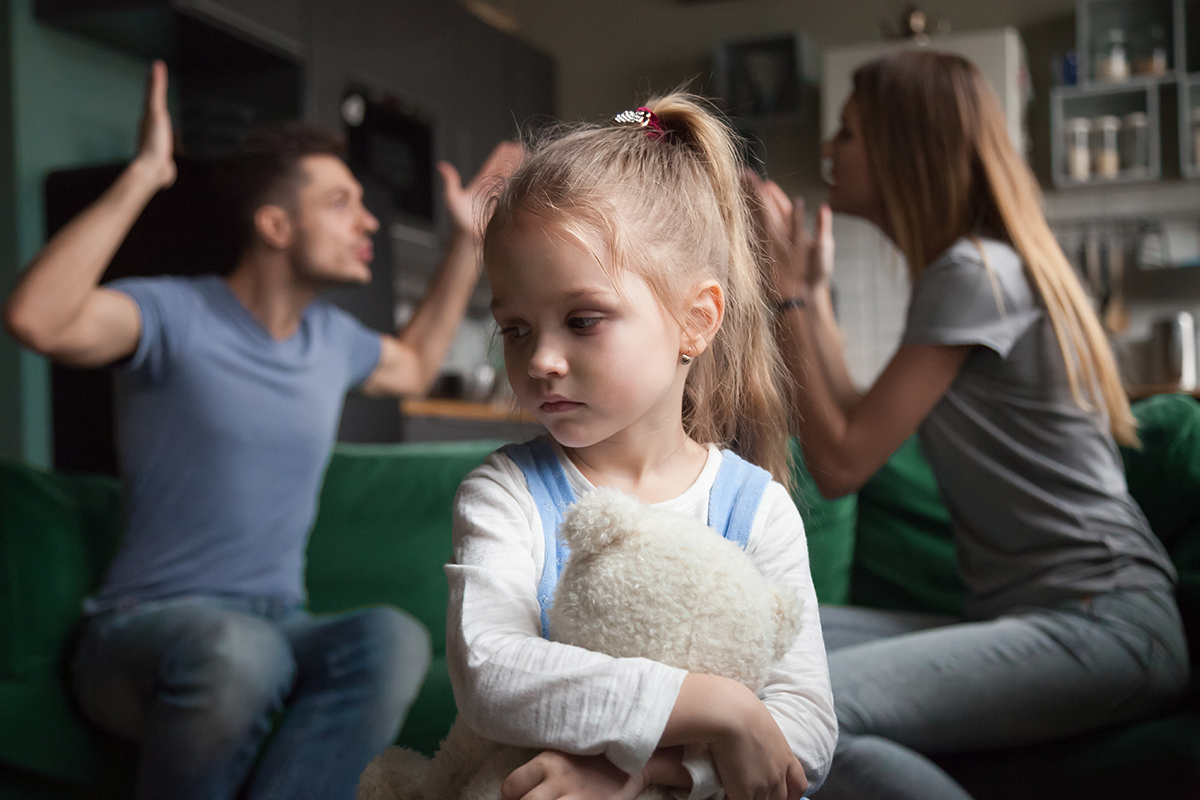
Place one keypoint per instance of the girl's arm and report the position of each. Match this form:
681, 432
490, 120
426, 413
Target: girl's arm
797, 699
512, 685
515, 687
845, 438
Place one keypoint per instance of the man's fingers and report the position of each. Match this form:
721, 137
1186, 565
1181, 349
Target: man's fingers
450, 176
158, 87
501, 162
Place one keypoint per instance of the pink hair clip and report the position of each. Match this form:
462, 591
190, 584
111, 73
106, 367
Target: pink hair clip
643, 118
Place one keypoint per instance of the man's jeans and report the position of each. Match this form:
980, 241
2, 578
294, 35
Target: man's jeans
906, 684
198, 680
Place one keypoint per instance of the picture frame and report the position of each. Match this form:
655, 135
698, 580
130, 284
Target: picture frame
761, 77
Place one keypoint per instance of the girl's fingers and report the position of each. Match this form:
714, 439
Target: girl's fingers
523, 780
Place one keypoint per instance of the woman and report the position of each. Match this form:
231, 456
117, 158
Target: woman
1070, 622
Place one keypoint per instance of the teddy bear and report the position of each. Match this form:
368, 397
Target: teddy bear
640, 582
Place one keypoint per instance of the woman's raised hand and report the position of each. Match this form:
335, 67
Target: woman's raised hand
156, 144
465, 203
554, 775
798, 261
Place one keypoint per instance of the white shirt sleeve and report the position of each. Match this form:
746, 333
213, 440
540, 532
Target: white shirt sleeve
797, 692
515, 687
512, 685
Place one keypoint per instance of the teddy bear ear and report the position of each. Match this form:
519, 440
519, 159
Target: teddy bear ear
599, 518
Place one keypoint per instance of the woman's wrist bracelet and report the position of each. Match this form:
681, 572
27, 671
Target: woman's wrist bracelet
789, 304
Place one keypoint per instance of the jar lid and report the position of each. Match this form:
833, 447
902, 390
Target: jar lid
1135, 119
1077, 124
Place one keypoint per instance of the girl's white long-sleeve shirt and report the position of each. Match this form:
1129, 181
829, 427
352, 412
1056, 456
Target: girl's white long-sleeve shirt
514, 686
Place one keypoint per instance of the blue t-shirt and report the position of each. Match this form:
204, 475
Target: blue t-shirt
224, 434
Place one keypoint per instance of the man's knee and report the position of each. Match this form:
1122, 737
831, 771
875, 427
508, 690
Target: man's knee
397, 650
233, 666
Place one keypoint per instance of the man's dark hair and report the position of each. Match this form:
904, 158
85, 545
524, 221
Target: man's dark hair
266, 169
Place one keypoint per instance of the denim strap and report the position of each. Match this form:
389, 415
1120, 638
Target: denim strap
552, 495
734, 498
732, 503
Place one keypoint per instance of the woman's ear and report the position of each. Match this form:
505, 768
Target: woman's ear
274, 226
704, 317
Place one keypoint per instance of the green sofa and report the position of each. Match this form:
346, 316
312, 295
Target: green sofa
382, 535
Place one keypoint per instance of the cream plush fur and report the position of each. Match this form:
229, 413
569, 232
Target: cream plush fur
640, 582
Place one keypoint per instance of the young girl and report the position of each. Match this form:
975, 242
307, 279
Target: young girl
626, 292
1005, 373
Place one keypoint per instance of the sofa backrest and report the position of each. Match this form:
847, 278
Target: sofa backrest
57, 534
382, 531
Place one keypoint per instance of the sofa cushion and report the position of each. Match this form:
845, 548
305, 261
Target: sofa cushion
57, 531
382, 535
1164, 477
904, 554
829, 526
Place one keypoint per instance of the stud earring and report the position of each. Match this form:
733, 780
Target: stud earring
685, 359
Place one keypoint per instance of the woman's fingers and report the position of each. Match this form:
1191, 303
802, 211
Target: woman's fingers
822, 256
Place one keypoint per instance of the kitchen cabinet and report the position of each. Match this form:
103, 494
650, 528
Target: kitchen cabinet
1137, 92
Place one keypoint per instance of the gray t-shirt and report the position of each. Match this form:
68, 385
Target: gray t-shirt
1033, 483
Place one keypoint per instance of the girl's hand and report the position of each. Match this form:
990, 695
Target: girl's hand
465, 203
754, 761
799, 262
553, 774
752, 758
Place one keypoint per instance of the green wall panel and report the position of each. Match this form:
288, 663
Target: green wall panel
72, 102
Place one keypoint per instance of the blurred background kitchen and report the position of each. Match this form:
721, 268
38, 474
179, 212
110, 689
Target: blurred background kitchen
1102, 95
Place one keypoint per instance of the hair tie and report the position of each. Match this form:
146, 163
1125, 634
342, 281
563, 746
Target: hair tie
642, 118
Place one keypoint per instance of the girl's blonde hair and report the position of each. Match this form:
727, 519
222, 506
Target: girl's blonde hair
938, 148
671, 209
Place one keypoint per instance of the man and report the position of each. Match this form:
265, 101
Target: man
229, 393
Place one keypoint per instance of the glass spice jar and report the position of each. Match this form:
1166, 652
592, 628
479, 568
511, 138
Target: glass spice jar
1109, 61
1150, 51
1106, 161
1077, 148
1135, 144
1195, 117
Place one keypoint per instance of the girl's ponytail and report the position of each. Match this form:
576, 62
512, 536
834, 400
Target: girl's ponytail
736, 395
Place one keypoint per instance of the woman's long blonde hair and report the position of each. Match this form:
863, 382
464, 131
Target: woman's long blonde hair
938, 149
671, 209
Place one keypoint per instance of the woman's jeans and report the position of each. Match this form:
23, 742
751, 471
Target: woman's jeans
907, 684
198, 682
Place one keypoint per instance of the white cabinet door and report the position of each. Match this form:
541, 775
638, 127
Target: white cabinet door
999, 54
